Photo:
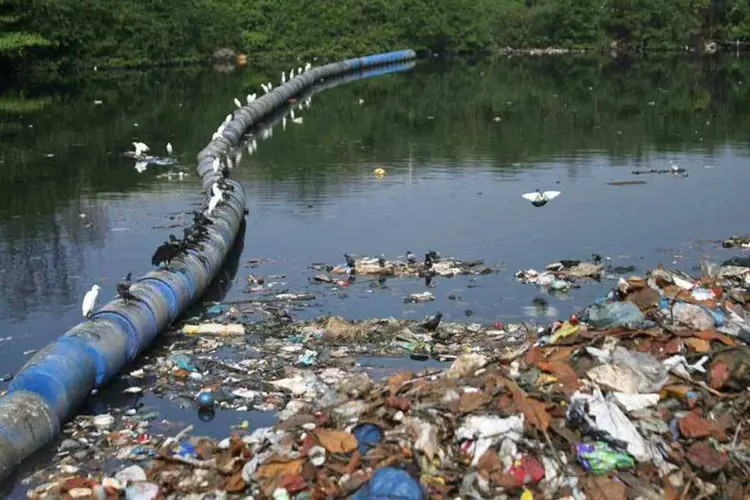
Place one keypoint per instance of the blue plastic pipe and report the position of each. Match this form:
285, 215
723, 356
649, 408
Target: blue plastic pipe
51, 386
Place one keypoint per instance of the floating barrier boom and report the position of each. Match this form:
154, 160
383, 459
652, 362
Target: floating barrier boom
47, 391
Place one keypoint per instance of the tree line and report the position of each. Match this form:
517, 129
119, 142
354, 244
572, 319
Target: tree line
133, 32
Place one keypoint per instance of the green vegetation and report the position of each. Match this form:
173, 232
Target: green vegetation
132, 32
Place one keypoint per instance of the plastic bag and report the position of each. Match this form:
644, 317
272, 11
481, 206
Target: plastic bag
390, 483
613, 314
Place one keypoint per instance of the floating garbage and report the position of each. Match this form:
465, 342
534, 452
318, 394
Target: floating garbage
642, 394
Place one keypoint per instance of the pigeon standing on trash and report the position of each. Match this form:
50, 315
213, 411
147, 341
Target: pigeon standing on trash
539, 198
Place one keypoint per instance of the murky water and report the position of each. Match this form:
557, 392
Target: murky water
460, 142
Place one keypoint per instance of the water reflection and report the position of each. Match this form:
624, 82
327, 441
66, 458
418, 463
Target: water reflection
460, 141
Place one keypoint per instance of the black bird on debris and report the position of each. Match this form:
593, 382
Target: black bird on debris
201, 220
381, 262
350, 262
123, 290
410, 257
432, 324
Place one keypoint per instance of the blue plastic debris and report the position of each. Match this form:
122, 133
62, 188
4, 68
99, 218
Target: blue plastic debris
368, 436
182, 361
206, 400
186, 450
390, 483
215, 310
613, 314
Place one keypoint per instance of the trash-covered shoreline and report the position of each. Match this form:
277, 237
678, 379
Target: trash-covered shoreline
642, 394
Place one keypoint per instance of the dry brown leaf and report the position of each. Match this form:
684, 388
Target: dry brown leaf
604, 488
402, 404
235, 484
396, 381
564, 373
560, 354
471, 401
338, 328
269, 470
337, 441
698, 345
711, 335
534, 411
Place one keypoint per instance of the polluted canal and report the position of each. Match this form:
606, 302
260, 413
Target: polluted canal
482, 346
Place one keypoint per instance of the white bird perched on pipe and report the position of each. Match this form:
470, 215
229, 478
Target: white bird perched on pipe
299, 70
283, 77
140, 148
228, 118
220, 130
237, 102
212, 203
216, 190
89, 301
216, 165
283, 122
291, 73
216, 136
169, 148
307, 67
265, 88
251, 98
270, 86
539, 198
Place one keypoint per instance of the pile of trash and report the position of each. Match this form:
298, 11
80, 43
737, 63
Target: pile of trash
432, 265
643, 394
563, 275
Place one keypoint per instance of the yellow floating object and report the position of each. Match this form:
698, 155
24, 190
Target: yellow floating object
527, 495
566, 330
380, 172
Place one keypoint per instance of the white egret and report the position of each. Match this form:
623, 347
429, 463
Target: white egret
230, 163
283, 77
140, 166
140, 148
291, 73
228, 119
238, 157
299, 70
89, 301
297, 120
169, 148
270, 86
265, 88
216, 165
361, 101
220, 130
237, 102
212, 203
307, 67
215, 190
255, 145
291, 113
539, 198
283, 123
251, 98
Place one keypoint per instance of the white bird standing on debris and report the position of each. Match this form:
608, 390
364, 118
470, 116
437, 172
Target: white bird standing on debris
539, 198
169, 148
140, 148
89, 301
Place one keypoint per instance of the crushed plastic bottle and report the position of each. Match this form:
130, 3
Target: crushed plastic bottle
600, 458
